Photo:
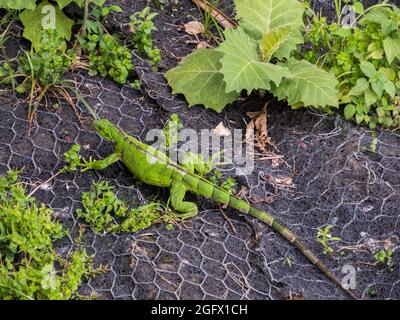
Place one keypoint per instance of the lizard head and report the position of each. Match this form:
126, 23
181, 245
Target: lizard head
106, 129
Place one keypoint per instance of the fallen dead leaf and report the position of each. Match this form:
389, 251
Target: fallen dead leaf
256, 199
258, 124
203, 44
194, 28
276, 162
279, 180
221, 131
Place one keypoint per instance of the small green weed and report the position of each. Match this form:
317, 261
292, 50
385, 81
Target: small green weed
364, 60
384, 257
101, 209
142, 26
30, 268
325, 238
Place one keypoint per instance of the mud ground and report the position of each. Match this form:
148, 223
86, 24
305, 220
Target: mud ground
339, 174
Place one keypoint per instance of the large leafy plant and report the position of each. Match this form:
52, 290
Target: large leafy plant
365, 59
256, 55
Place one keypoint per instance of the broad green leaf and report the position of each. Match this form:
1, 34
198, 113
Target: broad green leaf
33, 22
18, 4
392, 48
370, 97
388, 26
63, 3
378, 88
343, 32
260, 18
358, 7
377, 15
309, 85
359, 118
349, 111
388, 72
380, 112
361, 85
241, 66
368, 69
197, 77
390, 88
272, 41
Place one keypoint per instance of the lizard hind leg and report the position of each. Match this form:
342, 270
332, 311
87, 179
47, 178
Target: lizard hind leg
195, 163
186, 209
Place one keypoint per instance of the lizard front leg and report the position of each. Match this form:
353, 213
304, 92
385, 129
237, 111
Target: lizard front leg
187, 209
100, 164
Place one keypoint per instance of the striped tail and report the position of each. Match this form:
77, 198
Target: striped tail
208, 190
245, 207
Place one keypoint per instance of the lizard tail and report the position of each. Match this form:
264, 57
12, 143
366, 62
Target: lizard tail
243, 206
203, 187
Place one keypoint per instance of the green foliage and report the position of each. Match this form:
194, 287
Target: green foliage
197, 77
101, 206
50, 62
241, 65
256, 55
161, 3
29, 266
228, 184
308, 85
18, 4
365, 61
325, 238
108, 58
372, 292
6, 73
384, 257
142, 25
262, 18
72, 159
33, 23
171, 130
140, 218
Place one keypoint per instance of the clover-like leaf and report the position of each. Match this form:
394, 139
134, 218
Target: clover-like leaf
197, 77
241, 65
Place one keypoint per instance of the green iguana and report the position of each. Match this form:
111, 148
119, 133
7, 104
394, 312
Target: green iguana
153, 167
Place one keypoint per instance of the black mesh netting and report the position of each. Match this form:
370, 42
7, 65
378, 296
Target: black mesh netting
324, 171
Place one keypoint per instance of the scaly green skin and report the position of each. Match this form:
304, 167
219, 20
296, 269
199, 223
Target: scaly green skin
155, 168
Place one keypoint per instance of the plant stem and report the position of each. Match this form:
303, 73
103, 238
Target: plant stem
85, 18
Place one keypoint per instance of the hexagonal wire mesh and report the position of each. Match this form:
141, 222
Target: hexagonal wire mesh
336, 177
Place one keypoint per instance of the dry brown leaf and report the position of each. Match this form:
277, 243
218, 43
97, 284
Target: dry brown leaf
194, 28
256, 199
221, 131
280, 180
258, 123
203, 44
